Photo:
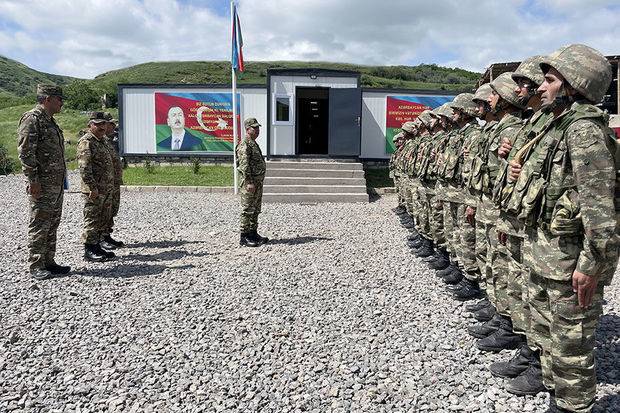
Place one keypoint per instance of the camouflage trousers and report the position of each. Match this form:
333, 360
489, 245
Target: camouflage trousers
486, 247
97, 215
413, 202
115, 199
436, 221
467, 245
45, 214
451, 230
423, 214
250, 207
565, 333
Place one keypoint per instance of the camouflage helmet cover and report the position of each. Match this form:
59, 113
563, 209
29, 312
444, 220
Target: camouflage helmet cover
408, 127
483, 92
464, 103
445, 110
425, 117
530, 69
398, 136
504, 86
583, 67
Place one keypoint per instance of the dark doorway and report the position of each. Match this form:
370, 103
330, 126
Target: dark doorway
312, 120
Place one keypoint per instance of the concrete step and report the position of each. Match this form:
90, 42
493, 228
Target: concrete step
304, 189
315, 173
287, 180
348, 166
315, 197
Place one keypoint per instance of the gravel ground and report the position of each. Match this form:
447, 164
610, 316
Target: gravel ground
334, 315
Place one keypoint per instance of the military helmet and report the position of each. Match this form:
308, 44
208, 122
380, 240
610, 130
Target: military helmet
398, 136
425, 117
464, 103
583, 67
530, 69
445, 110
483, 93
408, 127
504, 86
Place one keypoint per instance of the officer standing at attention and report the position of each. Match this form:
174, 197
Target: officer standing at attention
251, 165
111, 139
42, 154
97, 172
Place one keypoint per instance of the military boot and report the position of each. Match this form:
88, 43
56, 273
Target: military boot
441, 260
485, 314
400, 210
454, 277
417, 243
92, 253
485, 329
247, 240
502, 339
259, 238
108, 254
425, 250
409, 224
468, 291
454, 287
413, 236
118, 244
40, 274
107, 245
472, 308
56, 269
516, 365
448, 270
529, 382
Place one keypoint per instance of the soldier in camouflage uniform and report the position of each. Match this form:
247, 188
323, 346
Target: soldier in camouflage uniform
251, 165
97, 172
108, 242
398, 141
408, 185
566, 193
41, 152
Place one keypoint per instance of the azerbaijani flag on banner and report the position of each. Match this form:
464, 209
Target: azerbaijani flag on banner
237, 42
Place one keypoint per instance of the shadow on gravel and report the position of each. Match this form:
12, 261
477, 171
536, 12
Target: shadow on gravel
128, 271
608, 350
607, 404
164, 256
163, 244
298, 240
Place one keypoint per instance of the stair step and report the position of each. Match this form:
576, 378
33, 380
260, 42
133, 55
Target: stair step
315, 173
279, 180
315, 197
349, 166
304, 189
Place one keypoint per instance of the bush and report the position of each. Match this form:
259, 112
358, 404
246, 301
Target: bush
81, 96
195, 165
6, 163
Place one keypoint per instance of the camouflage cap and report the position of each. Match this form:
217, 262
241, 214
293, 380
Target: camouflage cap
584, 68
49, 90
530, 69
425, 117
108, 116
251, 123
505, 87
97, 117
409, 127
445, 110
464, 103
398, 136
483, 93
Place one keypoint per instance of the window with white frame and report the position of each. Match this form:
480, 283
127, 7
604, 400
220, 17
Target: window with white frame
282, 110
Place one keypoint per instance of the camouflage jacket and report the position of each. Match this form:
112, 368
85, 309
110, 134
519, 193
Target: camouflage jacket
41, 148
96, 164
250, 162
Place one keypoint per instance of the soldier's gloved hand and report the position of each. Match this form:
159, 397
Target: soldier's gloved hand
514, 171
250, 188
502, 237
94, 194
585, 287
470, 215
34, 190
505, 148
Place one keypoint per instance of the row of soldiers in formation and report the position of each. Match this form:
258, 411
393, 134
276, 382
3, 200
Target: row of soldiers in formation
41, 152
511, 195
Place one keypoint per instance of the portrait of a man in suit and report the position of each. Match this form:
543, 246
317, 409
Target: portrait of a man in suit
180, 139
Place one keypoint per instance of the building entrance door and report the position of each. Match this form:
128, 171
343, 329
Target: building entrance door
312, 120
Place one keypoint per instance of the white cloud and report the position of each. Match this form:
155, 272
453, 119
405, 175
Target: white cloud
87, 37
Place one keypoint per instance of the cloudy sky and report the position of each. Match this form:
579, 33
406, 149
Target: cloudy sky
84, 38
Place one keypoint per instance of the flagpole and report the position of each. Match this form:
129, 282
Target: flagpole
234, 100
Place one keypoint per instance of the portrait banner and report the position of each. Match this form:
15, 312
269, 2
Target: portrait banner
194, 122
401, 109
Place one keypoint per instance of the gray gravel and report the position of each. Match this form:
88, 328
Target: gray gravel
334, 315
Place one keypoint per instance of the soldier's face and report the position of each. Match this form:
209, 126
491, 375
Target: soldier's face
456, 115
493, 99
54, 104
176, 119
97, 129
551, 87
109, 128
524, 86
252, 132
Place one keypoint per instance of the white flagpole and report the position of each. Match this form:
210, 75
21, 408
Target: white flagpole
234, 101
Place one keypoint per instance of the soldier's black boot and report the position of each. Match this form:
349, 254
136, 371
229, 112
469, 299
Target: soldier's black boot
425, 250
108, 254
247, 240
91, 253
110, 240
516, 365
472, 308
56, 269
260, 239
485, 314
409, 224
468, 291
448, 270
107, 245
502, 339
399, 210
416, 243
485, 329
440, 260
414, 235
529, 382
40, 274
454, 277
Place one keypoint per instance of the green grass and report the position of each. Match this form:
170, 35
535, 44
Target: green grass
70, 121
378, 178
208, 175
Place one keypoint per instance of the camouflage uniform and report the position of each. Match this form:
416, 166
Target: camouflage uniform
97, 172
41, 152
115, 194
251, 166
567, 196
